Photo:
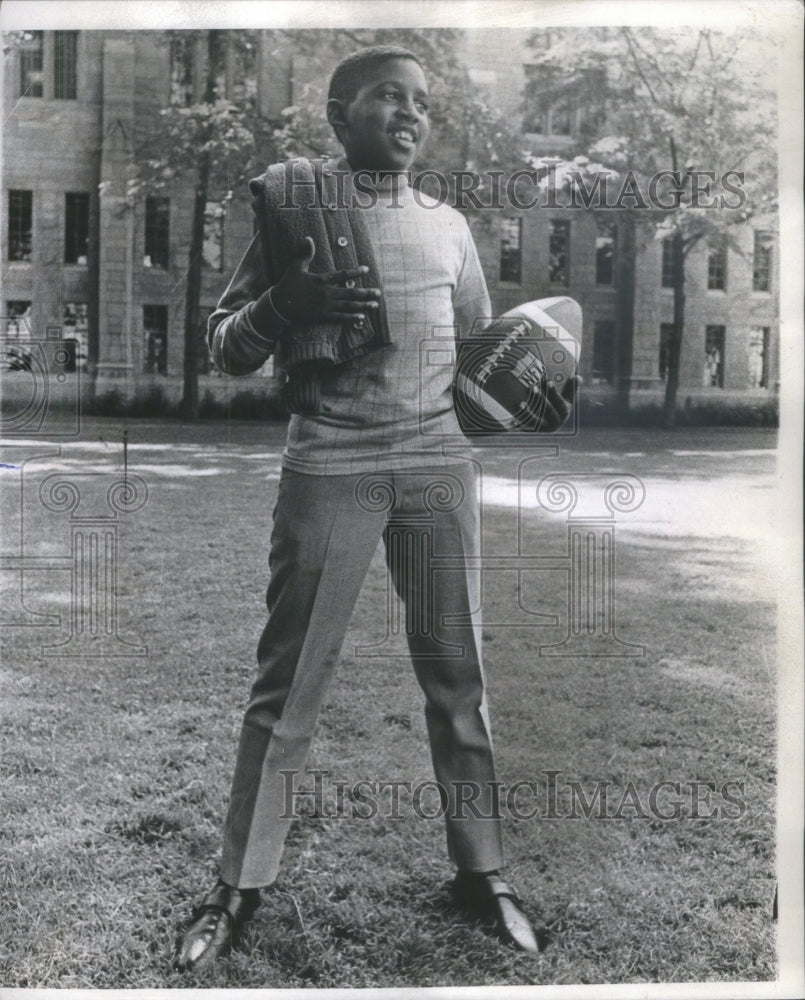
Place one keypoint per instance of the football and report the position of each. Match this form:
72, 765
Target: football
501, 374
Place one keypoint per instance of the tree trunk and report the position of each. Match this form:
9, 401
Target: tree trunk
190, 401
624, 310
675, 347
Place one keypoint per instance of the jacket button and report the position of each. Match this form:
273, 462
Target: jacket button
342, 241
350, 283
358, 324
332, 206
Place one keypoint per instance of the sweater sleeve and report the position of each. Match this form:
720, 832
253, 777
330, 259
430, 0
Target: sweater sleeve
239, 344
471, 306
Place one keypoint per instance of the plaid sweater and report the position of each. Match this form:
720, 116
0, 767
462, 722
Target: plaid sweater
390, 408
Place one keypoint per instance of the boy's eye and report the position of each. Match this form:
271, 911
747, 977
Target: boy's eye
396, 95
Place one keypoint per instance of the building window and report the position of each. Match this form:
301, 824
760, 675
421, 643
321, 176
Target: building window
155, 330
245, 71
31, 65
717, 266
157, 232
550, 108
236, 78
761, 267
65, 64
714, 356
181, 72
18, 318
556, 118
213, 249
606, 246
759, 357
511, 234
668, 263
20, 224
666, 334
76, 227
76, 335
603, 352
559, 253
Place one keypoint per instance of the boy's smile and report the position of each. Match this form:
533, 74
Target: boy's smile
385, 125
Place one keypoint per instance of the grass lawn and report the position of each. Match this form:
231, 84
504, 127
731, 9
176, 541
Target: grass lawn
116, 771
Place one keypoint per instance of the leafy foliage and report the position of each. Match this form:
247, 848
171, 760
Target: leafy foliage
466, 131
220, 122
681, 101
680, 109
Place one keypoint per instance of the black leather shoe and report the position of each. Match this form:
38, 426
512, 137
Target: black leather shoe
215, 926
489, 898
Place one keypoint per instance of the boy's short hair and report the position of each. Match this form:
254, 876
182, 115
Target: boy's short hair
348, 74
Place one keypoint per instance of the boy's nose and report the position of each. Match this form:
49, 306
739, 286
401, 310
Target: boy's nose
410, 109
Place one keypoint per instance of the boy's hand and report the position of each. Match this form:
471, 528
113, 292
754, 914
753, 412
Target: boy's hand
305, 298
558, 405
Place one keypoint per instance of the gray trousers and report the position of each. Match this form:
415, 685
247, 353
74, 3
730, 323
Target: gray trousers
326, 530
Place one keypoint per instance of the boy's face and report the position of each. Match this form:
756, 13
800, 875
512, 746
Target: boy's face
385, 125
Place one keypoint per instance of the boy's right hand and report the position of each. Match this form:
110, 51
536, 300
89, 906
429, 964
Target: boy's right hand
332, 297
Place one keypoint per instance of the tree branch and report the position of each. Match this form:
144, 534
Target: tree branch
636, 62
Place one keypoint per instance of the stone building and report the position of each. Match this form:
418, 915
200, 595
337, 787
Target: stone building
84, 263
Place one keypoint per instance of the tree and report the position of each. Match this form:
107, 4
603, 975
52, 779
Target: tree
467, 132
209, 141
685, 108
217, 140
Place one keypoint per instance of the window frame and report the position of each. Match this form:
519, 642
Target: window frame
157, 233
764, 253
14, 237
32, 50
13, 317
77, 310
765, 344
65, 72
559, 226
181, 72
214, 226
612, 237
155, 364
74, 221
717, 266
510, 258
666, 335
716, 330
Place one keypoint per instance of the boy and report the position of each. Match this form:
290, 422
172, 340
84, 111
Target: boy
347, 309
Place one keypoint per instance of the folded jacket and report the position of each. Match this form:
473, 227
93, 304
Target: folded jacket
303, 198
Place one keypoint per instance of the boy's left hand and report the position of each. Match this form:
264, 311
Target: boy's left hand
332, 297
558, 405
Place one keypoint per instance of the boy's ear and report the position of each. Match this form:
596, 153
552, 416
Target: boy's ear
336, 114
